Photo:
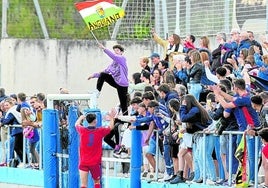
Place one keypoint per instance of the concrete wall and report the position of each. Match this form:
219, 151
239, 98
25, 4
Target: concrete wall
33, 66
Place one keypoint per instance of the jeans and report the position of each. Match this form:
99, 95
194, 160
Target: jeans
210, 167
10, 148
234, 161
168, 159
195, 89
251, 155
197, 156
218, 156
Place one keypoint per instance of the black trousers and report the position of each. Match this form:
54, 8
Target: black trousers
121, 91
18, 146
113, 133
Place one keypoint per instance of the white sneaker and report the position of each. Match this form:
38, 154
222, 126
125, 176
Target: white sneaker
251, 183
165, 178
126, 175
210, 182
95, 93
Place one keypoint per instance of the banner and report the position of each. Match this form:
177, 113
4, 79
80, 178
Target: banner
241, 155
99, 13
259, 82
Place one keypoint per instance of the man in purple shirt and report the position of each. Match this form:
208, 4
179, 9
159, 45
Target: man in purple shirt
116, 75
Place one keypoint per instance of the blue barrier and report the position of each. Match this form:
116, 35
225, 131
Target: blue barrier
50, 123
73, 148
136, 159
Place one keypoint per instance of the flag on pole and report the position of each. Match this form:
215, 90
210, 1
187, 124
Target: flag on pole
99, 13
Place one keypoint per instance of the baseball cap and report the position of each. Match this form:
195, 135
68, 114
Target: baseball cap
154, 55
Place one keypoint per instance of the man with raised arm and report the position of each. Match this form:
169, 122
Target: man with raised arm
91, 147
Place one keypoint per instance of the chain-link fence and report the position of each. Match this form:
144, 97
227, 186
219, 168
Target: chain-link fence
199, 18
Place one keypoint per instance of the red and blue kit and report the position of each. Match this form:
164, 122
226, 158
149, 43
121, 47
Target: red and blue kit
91, 144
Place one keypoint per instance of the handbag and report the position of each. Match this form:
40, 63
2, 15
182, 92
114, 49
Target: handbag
28, 132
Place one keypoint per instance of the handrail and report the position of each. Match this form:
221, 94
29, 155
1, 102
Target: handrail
24, 145
230, 133
107, 160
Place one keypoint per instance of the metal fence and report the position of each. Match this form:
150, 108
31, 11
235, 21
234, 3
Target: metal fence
63, 158
59, 19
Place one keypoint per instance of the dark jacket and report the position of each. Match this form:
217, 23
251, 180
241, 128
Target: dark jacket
193, 119
216, 58
195, 73
225, 124
10, 119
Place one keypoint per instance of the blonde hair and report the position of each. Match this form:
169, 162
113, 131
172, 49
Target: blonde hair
265, 58
204, 56
24, 116
205, 41
145, 60
196, 56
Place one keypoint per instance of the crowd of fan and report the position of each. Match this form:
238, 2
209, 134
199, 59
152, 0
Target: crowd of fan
21, 118
196, 89
187, 91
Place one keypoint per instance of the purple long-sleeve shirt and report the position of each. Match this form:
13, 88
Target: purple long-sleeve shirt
117, 69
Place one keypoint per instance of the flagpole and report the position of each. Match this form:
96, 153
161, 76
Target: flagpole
94, 37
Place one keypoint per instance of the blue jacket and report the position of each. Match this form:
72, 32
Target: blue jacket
204, 79
10, 119
159, 122
243, 44
181, 75
193, 117
232, 46
260, 63
170, 95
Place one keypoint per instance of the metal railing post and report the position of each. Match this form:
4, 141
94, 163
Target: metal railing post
157, 156
256, 161
24, 152
230, 159
8, 145
204, 157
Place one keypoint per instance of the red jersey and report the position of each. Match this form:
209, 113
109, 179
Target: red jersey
91, 144
265, 151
